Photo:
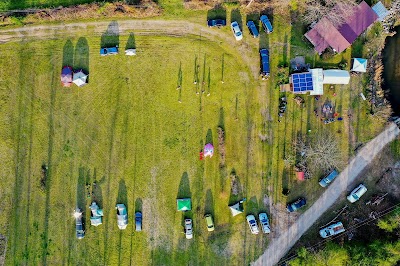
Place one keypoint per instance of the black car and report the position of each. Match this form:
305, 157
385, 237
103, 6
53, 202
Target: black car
216, 23
294, 206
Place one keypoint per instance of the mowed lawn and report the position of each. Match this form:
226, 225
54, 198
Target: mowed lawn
127, 132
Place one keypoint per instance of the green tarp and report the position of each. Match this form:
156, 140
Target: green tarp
184, 204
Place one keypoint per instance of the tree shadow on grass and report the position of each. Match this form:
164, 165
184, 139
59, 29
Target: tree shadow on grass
237, 16
184, 187
122, 197
131, 43
217, 12
209, 137
236, 188
110, 37
68, 54
138, 205
81, 57
97, 193
80, 189
209, 204
252, 206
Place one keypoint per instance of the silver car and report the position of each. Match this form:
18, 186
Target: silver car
357, 193
122, 216
253, 224
188, 229
236, 31
264, 223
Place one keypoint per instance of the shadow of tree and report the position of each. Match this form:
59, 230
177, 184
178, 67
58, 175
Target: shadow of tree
209, 137
122, 193
138, 205
110, 37
237, 16
82, 55
209, 204
217, 12
236, 188
68, 54
184, 187
131, 43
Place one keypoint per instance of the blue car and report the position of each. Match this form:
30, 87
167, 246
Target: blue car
264, 56
294, 206
328, 179
216, 23
252, 28
109, 51
266, 24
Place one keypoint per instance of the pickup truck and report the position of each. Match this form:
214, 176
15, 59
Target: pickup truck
332, 230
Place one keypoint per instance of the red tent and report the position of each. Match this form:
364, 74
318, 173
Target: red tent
66, 76
300, 176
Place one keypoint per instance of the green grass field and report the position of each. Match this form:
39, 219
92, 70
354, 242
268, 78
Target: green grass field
127, 131
21, 4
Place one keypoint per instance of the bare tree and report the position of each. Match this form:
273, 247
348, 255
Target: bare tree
335, 11
321, 152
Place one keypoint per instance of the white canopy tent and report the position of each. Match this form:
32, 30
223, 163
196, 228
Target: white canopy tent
130, 52
80, 78
336, 76
359, 65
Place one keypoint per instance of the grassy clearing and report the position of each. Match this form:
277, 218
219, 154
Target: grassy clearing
127, 131
22, 4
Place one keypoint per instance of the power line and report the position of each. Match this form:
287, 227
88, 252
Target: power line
382, 213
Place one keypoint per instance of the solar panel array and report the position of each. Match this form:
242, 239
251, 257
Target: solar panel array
302, 82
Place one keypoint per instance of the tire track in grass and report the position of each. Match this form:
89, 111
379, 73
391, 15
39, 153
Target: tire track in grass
53, 92
32, 95
106, 202
20, 154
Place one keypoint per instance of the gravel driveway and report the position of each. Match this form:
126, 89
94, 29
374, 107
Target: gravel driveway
281, 245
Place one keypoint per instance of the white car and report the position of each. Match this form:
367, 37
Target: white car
236, 31
253, 224
332, 230
188, 229
264, 223
357, 193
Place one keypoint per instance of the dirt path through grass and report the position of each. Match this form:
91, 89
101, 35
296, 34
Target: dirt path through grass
280, 246
140, 27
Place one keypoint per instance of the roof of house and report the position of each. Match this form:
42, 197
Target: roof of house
380, 10
336, 76
325, 34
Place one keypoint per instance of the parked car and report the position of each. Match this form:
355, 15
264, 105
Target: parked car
264, 64
332, 230
264, 223
209, 222
122, 216
80, 233
109, 51
253, 224
266, 24
252, 28
357, 193
328, 178
188, 229
216, 23
138, 221
236, 31
294, 206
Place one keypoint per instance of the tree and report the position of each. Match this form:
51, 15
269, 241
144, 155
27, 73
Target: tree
336, 11
390, 222
320, 153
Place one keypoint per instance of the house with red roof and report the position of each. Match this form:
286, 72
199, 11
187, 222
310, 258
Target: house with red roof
325, 34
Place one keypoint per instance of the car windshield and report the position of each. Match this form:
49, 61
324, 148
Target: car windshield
238, 33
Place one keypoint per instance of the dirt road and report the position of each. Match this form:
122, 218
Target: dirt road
280, 246
176, 28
